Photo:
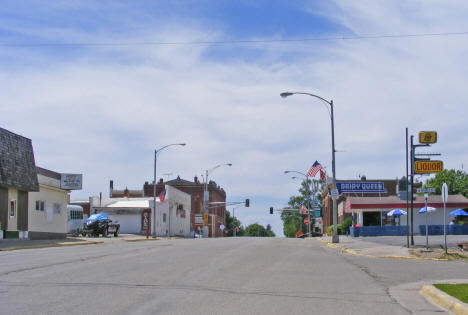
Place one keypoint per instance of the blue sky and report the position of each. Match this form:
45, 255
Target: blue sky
102, 110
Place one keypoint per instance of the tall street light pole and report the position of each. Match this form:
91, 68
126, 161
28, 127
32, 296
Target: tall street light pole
153, 221
335, 238
308, 197
205, 194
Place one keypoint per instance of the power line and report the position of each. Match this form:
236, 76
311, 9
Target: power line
229, 42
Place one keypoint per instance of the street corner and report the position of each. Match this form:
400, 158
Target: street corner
438, 297
453, 254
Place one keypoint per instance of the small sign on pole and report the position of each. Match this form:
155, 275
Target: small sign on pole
425, 190
427, 136
306, 221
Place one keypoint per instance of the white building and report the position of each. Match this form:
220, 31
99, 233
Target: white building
134, 214
47, 208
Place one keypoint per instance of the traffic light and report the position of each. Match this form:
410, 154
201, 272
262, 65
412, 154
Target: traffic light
271, 210
247, 202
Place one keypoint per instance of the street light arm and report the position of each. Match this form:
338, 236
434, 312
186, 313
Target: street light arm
330, 103
213, 168
286, 172
162, 148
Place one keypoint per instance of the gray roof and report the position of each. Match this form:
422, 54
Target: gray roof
17, 166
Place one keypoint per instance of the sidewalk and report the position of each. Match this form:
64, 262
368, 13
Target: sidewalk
395, 246
12, 244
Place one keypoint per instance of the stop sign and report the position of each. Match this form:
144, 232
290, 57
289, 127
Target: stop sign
306, 221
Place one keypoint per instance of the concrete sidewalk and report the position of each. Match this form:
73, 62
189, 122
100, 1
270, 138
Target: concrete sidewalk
395, 246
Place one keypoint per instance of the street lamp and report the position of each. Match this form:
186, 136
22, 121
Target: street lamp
308, 197
335, 238
205, 193
153, 221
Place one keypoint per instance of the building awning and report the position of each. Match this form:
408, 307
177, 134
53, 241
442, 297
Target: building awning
393, 202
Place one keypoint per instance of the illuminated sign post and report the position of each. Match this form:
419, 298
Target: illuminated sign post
428, 167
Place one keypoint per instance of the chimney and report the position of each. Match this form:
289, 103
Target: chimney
195, 180
111, 188
363, 177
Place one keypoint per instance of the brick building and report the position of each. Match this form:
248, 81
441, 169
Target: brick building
217, 215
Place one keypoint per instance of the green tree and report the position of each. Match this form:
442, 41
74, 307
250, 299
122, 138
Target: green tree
256, 229
292, 220
231, 223
457, 182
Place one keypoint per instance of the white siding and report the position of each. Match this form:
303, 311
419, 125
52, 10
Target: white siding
129, 223
54, 217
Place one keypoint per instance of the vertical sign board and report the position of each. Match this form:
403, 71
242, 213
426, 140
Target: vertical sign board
444, 200
205, 219
427, 137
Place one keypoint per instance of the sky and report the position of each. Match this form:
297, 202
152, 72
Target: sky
99, 85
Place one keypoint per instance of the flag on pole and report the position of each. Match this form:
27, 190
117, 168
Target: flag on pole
314, 169
303, 210
162, 195
323, 177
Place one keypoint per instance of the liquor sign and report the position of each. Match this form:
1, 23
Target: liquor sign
428, 167
427, 136
71, 181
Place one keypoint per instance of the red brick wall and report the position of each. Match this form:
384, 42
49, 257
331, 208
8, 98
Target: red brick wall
196, 192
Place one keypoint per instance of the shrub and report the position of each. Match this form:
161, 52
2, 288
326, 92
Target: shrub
345, 225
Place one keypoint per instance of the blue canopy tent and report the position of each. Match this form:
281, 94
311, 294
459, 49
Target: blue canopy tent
396, 212
458, 212
97, 216
429, 209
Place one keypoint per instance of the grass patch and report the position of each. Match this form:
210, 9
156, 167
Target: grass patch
453, 256
459, 291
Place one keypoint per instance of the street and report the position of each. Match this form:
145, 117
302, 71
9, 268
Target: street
208, 276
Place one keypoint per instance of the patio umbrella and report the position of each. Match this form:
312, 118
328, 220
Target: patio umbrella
396, 212
429, 209
458, 212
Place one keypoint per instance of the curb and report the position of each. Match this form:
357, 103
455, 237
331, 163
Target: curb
142, 239
443, 299
50, 245
344, 250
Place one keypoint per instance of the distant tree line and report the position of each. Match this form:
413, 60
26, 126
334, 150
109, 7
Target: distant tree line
254, 229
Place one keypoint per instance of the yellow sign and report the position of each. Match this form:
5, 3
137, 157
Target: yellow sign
205, 219
427, 136
427, 167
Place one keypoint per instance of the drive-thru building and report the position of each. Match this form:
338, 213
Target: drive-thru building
135, 214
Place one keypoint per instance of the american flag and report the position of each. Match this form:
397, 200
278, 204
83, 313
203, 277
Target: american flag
323, 176
314, 169
303, 210
162, 195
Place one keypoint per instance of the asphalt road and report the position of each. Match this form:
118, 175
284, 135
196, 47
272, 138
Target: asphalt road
212, 276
